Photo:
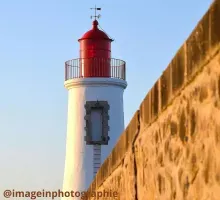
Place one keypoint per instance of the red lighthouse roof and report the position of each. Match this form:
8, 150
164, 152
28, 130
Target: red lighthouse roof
95, 33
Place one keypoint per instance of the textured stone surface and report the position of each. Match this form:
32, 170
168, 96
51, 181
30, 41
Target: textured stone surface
178, 156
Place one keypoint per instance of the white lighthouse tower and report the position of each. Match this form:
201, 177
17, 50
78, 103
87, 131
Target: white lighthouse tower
95, 84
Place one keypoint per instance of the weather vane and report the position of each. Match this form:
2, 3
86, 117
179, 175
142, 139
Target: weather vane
96, 16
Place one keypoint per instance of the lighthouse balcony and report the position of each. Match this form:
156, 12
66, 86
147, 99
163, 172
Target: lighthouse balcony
95, 67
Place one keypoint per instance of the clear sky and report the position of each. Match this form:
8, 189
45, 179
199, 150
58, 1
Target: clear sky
37, 37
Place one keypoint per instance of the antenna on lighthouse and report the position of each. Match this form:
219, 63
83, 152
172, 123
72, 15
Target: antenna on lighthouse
95, 16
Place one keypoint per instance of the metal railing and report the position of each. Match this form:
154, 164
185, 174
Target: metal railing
98, 67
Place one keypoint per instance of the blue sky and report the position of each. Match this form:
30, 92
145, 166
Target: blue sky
37, 37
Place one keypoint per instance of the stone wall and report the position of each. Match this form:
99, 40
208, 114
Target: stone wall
171, 148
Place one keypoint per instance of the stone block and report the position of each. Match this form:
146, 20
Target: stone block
165, 86
197, 45
145, 111
178, 70
98, 178
132, 130
105, 169
154, 100
114, 158
118, 152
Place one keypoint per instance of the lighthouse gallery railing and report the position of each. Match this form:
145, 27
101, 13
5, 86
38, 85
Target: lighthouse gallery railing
74, 68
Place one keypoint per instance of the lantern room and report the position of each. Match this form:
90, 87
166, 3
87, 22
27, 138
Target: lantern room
95, 53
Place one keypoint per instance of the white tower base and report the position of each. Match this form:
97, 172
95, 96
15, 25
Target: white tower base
80, 157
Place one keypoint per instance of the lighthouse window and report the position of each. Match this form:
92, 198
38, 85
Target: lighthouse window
96, 120
96, 124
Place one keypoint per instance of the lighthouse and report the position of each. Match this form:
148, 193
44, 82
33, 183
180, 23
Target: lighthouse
95, 82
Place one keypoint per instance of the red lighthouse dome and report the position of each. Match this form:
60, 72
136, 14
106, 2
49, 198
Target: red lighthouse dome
95, 33
95, 53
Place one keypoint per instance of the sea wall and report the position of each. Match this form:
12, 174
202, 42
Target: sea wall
171, 147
